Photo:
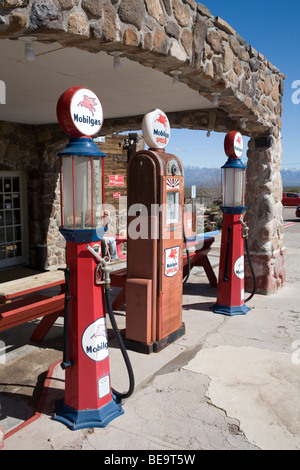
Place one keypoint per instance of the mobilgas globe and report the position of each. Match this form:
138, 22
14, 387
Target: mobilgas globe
86, 111
156, 129
238, 145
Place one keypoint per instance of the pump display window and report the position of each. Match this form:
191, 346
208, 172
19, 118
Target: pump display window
172, 207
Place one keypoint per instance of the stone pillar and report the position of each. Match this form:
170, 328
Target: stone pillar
264, 215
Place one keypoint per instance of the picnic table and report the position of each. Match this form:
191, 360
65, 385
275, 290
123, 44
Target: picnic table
38, 296
201, 244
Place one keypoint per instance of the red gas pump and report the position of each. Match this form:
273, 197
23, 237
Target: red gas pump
89, 399
231, 291
154, 241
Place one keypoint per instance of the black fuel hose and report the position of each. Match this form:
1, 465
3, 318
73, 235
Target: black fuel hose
188, 258
252, 271
226, 278
122, 347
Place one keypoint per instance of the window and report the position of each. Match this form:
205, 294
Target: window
172, 207
13, 223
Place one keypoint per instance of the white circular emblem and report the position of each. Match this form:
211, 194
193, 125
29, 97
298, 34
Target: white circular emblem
94, 340
238, 144
156, 129
239, 267
86, 112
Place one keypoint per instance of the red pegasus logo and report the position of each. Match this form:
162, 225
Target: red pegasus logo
173, 254
239, 140
88, 103
162, 120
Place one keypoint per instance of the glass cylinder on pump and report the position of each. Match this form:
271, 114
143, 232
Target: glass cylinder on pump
233, 184
233, 173
81, 184
81, 194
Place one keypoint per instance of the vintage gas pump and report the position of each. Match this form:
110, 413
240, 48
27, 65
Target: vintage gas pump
155, 241
89, 400
231, 291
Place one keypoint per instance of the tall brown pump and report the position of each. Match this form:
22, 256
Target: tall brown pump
154, 250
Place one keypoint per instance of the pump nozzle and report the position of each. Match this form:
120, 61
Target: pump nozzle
106, 269
245, 233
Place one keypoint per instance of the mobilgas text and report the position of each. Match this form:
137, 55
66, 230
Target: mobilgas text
86, 120
161, 136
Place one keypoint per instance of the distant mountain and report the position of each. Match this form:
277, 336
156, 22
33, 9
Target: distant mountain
194, 175
291, 177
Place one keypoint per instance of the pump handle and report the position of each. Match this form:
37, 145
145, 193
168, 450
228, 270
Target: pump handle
106, 269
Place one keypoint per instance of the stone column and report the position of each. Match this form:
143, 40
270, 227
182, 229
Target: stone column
264, 215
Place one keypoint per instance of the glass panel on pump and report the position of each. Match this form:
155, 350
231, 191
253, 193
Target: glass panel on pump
98, 211
233, 187
82, 196
172, 207
67, 195
82, 192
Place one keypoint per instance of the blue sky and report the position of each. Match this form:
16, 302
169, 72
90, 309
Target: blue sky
272, 28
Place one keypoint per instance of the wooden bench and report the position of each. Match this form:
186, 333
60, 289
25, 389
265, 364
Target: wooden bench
42, 300
197, 258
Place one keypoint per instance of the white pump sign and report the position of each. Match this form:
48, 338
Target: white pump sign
156, 129
86, 111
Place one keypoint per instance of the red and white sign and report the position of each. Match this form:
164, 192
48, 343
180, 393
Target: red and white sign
116, 195
79, 112
173, 183
238, 267
233, 144
172, 261
156, 129
94, 340
116, 180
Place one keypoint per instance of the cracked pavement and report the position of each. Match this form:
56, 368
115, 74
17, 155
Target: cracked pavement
230, 383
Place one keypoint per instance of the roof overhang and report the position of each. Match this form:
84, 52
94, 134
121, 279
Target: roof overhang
33, 88
74, 45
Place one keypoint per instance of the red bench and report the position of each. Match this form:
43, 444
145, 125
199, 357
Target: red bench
197, 258
30, 304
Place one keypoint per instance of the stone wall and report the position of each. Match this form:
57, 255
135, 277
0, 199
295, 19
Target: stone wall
33, 150
264, 214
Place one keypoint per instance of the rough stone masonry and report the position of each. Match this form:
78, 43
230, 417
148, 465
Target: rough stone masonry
183, 37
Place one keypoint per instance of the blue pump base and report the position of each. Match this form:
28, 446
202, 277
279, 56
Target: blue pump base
231, 311
81, 419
